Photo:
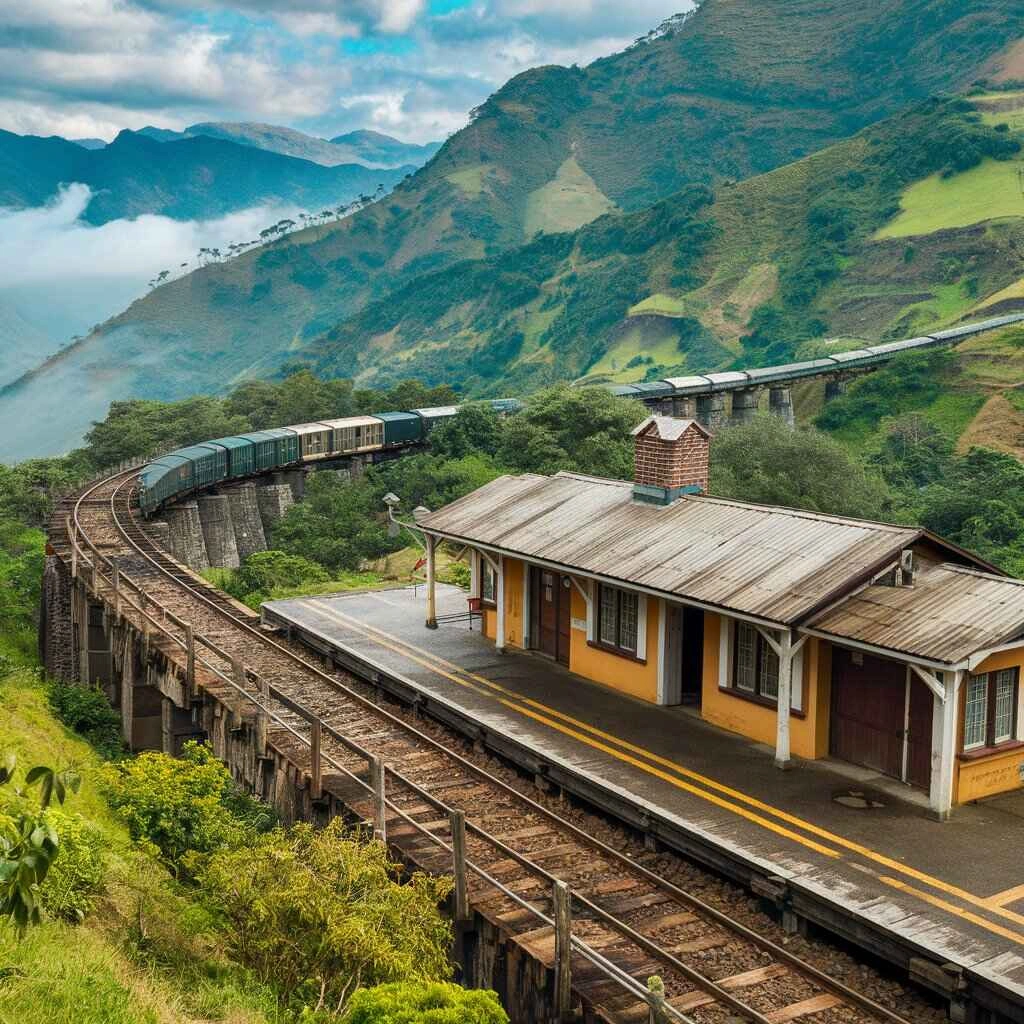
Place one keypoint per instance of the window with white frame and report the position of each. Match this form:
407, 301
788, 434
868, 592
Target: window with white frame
488, 582
755, 664
990, 708
618, 618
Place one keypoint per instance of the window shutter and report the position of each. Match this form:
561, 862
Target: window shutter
641, 626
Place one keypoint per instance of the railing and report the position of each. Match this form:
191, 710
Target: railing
104, 574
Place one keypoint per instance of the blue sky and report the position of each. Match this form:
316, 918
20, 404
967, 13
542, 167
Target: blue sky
411, 68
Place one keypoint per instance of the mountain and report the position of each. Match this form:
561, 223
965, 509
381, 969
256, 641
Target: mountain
369, 149
910, 225
735, 90
191, 178
377, 150
89, 143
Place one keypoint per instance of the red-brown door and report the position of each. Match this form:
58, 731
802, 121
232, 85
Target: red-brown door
547, 611
868, 708
564, 618
919, 734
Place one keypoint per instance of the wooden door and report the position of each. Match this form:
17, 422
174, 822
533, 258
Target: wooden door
546, 603
919, 734
868, 708
564, 601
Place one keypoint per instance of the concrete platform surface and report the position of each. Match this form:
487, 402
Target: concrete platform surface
954, 891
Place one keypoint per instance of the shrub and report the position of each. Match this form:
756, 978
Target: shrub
183, 806
437, 1003
75, 879
86, 710
319, 914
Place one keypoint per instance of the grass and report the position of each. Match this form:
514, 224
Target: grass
990, 190
147, 954
614, 364
469, 181
662, 304
567, 202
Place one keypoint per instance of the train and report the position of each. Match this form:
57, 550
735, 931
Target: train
193, 468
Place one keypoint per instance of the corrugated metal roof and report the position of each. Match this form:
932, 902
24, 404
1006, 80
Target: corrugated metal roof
776, 564
949, 613
352, 421
302, 429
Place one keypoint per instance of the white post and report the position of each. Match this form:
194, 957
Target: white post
499, 598
431, 582
944, 723
785, 652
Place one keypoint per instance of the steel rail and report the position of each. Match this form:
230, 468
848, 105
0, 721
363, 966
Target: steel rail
737, 928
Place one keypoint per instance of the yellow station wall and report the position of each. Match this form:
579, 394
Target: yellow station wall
638, 679
808, 734
999, 772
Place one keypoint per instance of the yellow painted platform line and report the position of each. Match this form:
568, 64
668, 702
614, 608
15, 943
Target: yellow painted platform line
518, 702
1000, 899
991, 926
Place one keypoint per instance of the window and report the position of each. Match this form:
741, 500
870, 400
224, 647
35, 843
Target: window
488, 582
756, 665
990, 709
618, 619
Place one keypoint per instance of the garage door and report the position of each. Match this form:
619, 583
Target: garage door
868, 710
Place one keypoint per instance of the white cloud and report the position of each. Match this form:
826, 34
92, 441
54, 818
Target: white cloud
92, 67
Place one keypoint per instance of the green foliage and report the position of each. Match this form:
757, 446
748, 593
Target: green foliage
766, 461
21, 574
975, 500
908, 382
185, 807
433, 1003
144, 427
29, 841
476, 429
86, 710
320, 914
584, 430
266, 571
76, 877
458, 574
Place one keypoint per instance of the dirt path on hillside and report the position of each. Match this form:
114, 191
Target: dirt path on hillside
998, 425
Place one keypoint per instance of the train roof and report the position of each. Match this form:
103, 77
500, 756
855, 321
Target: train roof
436, 412
352, 421
902, 346
853, 356
308, 428
196, 451
395, 417
654, 388
624, 390
234, 442
768, 373
693, 383
270, 434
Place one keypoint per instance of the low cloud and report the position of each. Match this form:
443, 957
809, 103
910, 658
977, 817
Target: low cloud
62, 275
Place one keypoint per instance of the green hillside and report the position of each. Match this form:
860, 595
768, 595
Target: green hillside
736, 89
911, 224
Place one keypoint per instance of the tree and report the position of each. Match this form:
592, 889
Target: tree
435, 1003
29, 842
768, 462
585, 430
475, 429
320, 914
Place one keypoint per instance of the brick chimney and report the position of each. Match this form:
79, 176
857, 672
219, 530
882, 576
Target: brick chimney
671, 458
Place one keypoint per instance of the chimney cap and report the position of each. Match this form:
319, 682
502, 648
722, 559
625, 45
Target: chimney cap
669, 428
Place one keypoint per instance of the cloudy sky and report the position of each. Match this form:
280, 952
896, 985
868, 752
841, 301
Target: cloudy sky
412, 68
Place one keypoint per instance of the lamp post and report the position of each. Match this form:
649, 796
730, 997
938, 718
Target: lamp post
425, 541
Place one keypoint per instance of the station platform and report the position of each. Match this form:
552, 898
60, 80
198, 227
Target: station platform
838, 845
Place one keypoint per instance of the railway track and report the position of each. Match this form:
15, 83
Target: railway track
628, 922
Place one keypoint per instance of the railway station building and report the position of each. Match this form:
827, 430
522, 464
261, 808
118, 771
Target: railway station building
887, 646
